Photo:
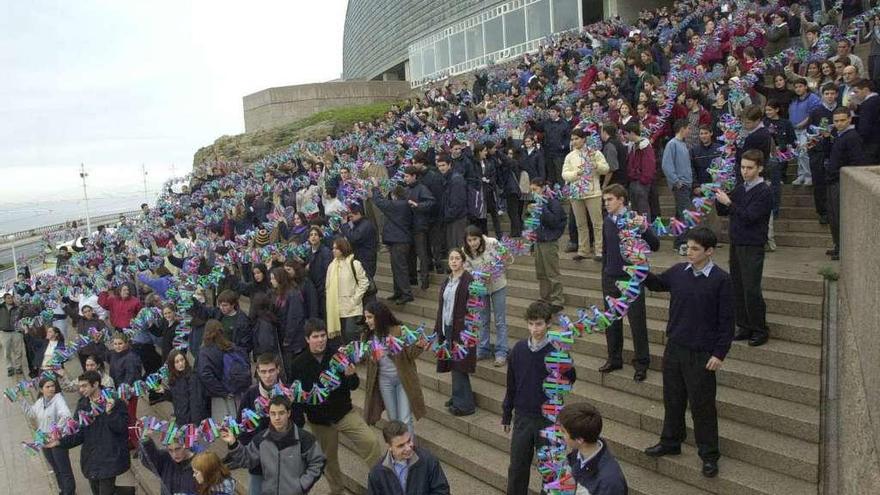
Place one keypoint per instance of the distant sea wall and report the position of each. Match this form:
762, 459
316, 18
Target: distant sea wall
286, 104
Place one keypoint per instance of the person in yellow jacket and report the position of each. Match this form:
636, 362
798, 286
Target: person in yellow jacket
346, 284
581, 171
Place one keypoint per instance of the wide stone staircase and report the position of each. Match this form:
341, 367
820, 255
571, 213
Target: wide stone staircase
768, 397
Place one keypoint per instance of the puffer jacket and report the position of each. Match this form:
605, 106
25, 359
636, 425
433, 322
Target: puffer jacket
291, 465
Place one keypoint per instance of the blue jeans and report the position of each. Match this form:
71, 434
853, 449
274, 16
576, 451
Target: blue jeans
256, 483
396, 401
496, 303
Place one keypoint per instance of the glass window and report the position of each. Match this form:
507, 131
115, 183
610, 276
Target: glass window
415, 65
456, 48
565, 15
441, 53
494, 34
538, 19
474, 41
428, 59
515, 27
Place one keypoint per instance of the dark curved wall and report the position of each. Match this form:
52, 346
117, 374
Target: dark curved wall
378, 32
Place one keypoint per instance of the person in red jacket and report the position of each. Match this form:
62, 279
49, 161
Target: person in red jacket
121, 305
641, 167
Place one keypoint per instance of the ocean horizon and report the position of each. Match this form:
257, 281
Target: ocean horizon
26, 215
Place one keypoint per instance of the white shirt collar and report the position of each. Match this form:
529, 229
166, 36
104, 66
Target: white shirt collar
705, 271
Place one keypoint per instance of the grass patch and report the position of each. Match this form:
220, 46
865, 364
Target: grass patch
829, 273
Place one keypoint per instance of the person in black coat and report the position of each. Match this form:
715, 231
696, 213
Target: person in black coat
757, 135
361, 233
531, 159
258, 284
819, 149
397, 234
431, 178
453, 203
557, 135
422, 203
449, 325
868, 123
592, 463
125, 365
508, 188
847, 150
104, 454
172, 466
424, 474
486, 173
165, 329
236, 324
317, 261
185, 390
265, 326
749, 207
552, 224
291, 311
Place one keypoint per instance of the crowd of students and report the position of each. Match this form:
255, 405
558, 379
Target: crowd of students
301, 309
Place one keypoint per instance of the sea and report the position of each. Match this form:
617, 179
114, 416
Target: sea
20, 216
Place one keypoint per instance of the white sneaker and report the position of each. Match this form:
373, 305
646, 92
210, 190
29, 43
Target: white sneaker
798, 181
808, 182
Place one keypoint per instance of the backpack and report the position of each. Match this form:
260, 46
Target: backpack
236, 371
371, 288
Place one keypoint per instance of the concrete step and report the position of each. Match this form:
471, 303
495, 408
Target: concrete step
626, 441
482, 432
789, 198
779, 415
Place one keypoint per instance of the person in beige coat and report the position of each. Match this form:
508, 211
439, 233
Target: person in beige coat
346, 284
581, 171
392, 379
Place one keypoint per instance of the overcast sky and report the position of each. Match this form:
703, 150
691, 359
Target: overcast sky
114, 84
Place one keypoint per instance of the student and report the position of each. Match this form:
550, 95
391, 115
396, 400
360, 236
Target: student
422, 203
236, 324
820, 149
615, 198
581, 171
185, 390
641, 168
215, 368
453, 204
799, 114
406, 469
104, 454
702, 156
318, 259
173, 465
481, 252
291, 312
211, 475
526, 372
335, 415
552, 225
49, 410
121, 306
392, 379
677, 169
126, 368
451, 311
847, 150
10, 338
757, 135
749, 206
699, 333
784, 139
397, 234
88, 320
361, 233
347, 283
594, 467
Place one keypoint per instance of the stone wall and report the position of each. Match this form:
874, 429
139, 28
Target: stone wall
859, 333
278, 106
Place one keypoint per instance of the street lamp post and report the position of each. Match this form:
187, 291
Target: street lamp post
14, 257
83, 175
146, 196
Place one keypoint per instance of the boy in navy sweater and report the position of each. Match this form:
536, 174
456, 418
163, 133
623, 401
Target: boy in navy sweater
526, 372
698, 337
593, 466
749, 206
847, 150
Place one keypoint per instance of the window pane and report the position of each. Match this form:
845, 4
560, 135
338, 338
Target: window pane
441, 53
456, 46
565, 15
415, 65
538, 17
474, 41
428, 59
494, 35
515, 27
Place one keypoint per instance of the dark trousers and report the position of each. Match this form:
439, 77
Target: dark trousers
419, 262
150, 359
682, 197
107, 486
638, 325
59, 461
834, 213
483, 224
455, 233
524, 441
746, 270
654, 201
639, 198
400, 269
554, 168
437, 243
817, 169
686, 380
514, 213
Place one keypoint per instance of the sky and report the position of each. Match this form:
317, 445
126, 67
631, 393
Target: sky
117, 85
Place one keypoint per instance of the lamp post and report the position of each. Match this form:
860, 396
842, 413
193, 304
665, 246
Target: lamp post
14, 257
146, 197
83, 175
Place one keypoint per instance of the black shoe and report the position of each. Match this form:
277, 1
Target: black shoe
413, 281
556, 308
448, 403
823, 220
458, 412
660, 450
393, 298
404, 299
31, 373
597, 258
710, 469
571, 248
578, 257
425, 284
758, 340
608, 367
640, 375
831, 252
10, 372
742, 334
835, 257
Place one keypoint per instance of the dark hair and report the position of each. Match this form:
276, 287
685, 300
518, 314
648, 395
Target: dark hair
539, 310
579, 133
443, 157
753, 155
280, 400
314, 325
632, 126
773, 103
581, 421
214, 335
616, 190
538, 181
343, 245
864, 84
383, 319
46, 379
703, 236
473, 231
679, 125
173, 374
93, 377
753, 113
99, 361
411, 170
268, 358
829, 87
841, 111
393, 429
610, 128
285, 284
262, 308
228, 296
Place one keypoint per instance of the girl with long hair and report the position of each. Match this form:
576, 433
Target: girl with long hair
449, 324
184, 389
212, 476
211, 368
479, 252
346, 284
48, 410
291, 312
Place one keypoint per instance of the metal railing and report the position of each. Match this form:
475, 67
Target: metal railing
39, 231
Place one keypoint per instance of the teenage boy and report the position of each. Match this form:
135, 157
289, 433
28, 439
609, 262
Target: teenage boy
335, 415
592, 464
702, 156
361, 233
847, 150
641, 168
526, 372
421, 201
676, 165
749, 206
406, 469
799, 114
453, 204
784, 138
171, 465
236, 324
818, 151
553, 222
397, 234
615, 198
757, 137
699, 333
430, 177
581, 170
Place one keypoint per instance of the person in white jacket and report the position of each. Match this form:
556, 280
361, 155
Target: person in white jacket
49, 410
581, 170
